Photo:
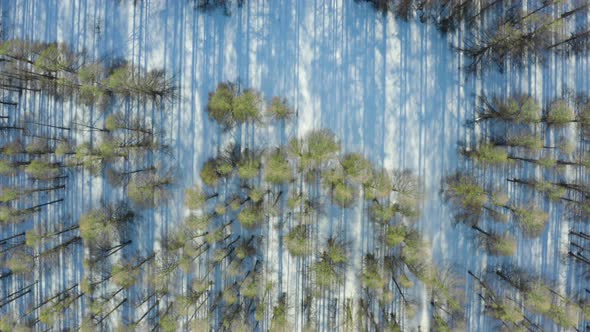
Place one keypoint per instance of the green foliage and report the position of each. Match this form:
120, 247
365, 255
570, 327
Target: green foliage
325, 275
356, 167
90, 73
246, 107
546, 162
584, 114
404, 281
9, 194
382, 213
440, 324
6, 167
228, 107
108, 149
527, 141
250, 288
54, 58
298, 241
250, 217
277, 169
560, 113
209, 174
20, 262
379, 185
220, 209
343, 194
505, 311
488, 154
92, 224
538, 298
13, 148
321, 145
43, 170
280, 321
531, 220
194, 198
125, 275
564, 315
464, 192
148, 190
336, 252
98, 224
520, 110
114, 121
395, 235
371, 275
90, 94
37, 146
552, 191
256, 195
279, 109
248, 168
220, 106
415, 256
224, 167
500, 245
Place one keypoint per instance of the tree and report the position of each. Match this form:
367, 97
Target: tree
101, 224
356, 168
277, 169
330, 265
118, 121
220, 106
195, 198
251, 216
560, 113
148, 190
298, 241
496, 244
42, 170
487, 154
463, 192
10, 214
280, 320
371, 275
279, 109
531, 219
518, 109
246, 107
126, 275
128, 80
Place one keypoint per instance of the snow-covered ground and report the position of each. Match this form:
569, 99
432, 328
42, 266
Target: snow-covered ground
392, 90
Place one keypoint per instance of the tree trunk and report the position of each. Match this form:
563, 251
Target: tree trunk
581, 234
50, 299
59, 246
112, 310
47, 189
579, 257
15, 298
7, 297
47, 125
480, 230
11, 237
147, 312
36, 207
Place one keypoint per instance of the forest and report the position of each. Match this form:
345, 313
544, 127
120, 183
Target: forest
295, 165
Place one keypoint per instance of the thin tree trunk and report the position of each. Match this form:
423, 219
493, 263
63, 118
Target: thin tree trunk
112, 310
579, 257
36, 207
11, 237
47, 125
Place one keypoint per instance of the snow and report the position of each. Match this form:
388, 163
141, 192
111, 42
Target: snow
392, 90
